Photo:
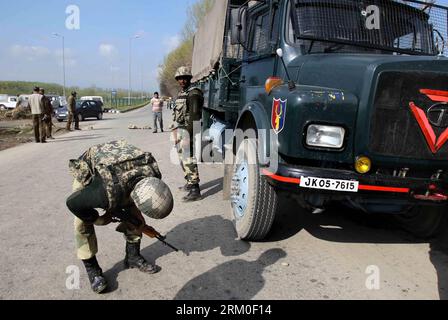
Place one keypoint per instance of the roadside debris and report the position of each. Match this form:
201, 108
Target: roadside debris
135, 127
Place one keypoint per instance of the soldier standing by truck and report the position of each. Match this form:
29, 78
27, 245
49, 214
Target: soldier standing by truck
187, 110
343, 110
72, 112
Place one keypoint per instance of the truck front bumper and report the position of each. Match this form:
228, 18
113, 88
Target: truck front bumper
370, 185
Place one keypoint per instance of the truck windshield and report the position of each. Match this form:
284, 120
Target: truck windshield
377, 26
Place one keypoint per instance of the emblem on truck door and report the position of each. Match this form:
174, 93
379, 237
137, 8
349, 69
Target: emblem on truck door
437, 115
278, 115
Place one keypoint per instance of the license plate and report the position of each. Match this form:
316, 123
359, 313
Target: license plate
329, 184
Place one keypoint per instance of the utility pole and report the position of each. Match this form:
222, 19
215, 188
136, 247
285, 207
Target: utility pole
63, 59
130, 66
142, 84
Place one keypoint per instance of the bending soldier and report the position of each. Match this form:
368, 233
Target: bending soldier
116, 177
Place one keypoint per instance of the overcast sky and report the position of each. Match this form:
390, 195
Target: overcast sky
98, 52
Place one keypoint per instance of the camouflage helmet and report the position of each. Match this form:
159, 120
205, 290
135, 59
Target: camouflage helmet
183, 72
153, 198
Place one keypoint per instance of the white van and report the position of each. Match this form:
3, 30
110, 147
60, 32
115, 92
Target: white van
8, 102
94, 98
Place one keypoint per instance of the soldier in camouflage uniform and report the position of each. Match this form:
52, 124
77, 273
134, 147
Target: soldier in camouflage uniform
115, 176
72, 113
187, 109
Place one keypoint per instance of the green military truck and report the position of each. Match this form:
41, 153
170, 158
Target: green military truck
327, 100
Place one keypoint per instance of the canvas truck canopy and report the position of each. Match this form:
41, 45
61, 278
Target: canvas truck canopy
208, 41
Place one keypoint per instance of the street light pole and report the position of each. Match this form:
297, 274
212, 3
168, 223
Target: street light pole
63, 60
130, 59
130, 66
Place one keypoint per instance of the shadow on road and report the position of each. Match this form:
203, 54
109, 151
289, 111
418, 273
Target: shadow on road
94, 119
438, 255
77, 138
338, 224
214, 187
344, 225
233, 280
199, 235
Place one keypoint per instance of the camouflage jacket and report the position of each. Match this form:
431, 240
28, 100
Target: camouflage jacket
188, 107
71, 104
120, 165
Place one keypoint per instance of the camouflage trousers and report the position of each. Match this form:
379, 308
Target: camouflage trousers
188, 162
85, 237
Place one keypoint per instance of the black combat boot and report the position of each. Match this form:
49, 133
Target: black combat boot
133, 259
185, 187
96, 278
194, 194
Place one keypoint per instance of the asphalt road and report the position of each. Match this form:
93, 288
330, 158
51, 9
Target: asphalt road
327, 256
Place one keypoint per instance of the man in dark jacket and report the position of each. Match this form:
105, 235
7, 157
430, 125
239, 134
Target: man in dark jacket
48, 114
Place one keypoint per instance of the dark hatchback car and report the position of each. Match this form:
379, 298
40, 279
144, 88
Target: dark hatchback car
84, 110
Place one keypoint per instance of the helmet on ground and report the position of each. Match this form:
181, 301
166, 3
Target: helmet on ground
153, 198
183, 72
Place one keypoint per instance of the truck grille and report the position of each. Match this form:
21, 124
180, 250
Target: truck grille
395, 130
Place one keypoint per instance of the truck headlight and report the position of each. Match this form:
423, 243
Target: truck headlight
325, 136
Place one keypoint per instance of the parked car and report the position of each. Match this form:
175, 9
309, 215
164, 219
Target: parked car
84, 110
57, 102
94, 98
9, 103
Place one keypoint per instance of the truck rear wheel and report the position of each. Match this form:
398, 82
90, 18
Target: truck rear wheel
254, 200
423, 221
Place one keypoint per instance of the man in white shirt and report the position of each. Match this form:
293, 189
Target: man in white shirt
157, 110
36, 105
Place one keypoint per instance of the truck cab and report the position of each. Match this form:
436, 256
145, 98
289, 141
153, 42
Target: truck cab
328, 100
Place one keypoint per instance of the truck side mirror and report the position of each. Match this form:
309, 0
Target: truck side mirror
238, 26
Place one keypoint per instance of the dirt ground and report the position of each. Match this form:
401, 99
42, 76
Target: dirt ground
15, 132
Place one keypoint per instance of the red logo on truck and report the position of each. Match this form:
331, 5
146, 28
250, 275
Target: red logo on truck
435, 143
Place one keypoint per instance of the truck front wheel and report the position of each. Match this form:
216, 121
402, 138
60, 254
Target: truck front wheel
423, 221
254, 200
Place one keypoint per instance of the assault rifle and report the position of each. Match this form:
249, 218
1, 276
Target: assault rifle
126, 216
